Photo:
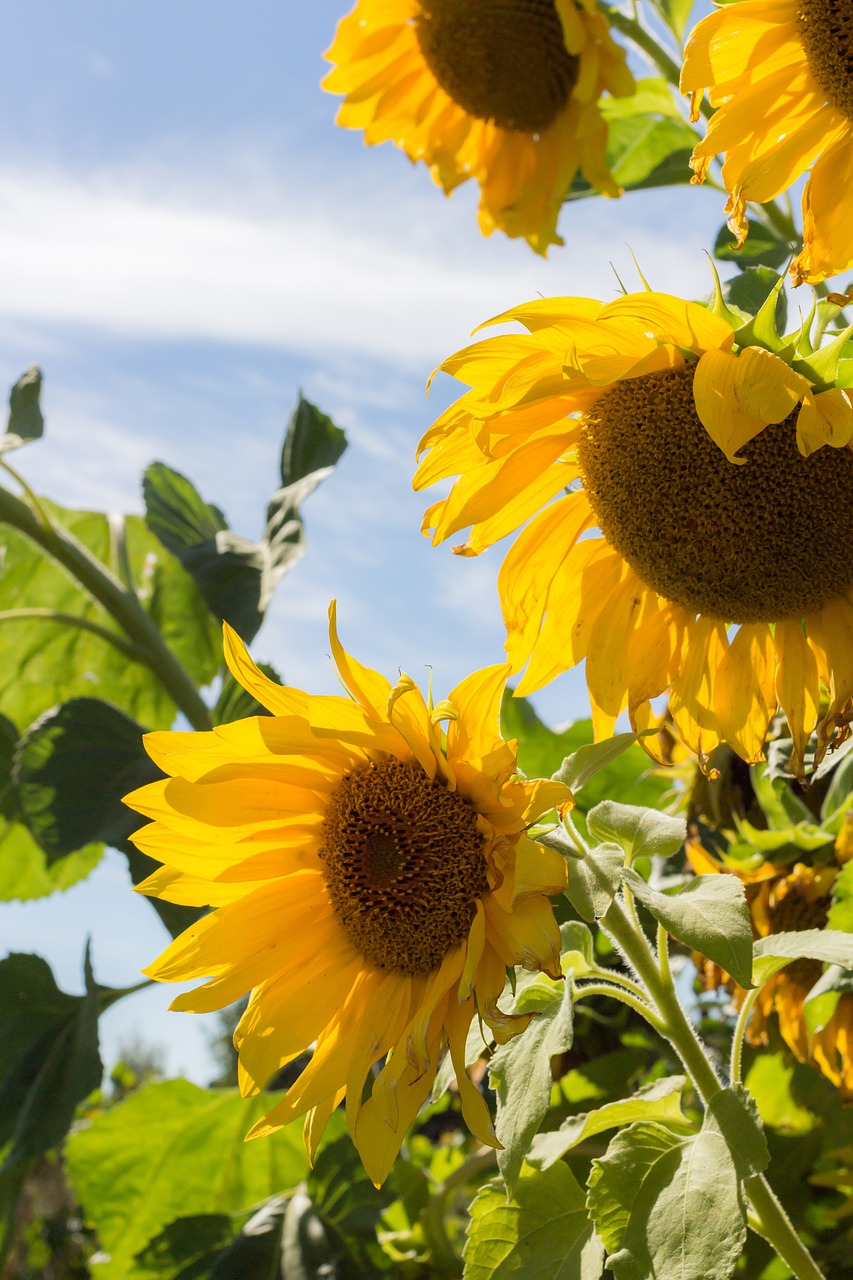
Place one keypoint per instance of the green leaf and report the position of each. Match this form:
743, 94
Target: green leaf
520, 1071
643, 151
255, 1253
733, 1114
667, 1205
660, 1101
25, 417
577, 949
708, 914
762, 248
541, 752
197, 1238
676, 15
24, 869
171, 1150
237, 576
49, 1056
577, 768
769, 1082
594, 878
73, 766
349, 1207
777, 950
641, 832
43, 662
312, 443
542, 1233
822, 1000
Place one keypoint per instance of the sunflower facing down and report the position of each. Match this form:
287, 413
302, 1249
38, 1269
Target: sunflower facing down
783, 899
719, 477
371, 880
781, 75
506, 93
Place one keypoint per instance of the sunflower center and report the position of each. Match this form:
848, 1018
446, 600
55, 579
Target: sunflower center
501, 60
751, 543
826, 30
403, 863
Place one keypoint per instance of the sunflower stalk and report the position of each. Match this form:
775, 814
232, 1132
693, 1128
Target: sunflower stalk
119, 600
768, 1216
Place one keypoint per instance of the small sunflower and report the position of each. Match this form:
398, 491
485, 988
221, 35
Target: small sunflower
718, 473
371, 879
785, 899
504, 92
781, 74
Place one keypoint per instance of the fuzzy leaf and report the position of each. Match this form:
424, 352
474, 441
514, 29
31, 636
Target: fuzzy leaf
594, 878
520, 1071
709, 914
777, 950
542, 1233
641, 832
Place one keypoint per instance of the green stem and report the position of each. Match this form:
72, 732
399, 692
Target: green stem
740, 1035
619, 993
120, 603
131, 651
775, 1225
646, 41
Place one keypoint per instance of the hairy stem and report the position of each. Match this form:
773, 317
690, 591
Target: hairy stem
771, 1220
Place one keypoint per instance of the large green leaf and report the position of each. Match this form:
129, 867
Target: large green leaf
709, 914
237, 576
72, 768
542, 1233
25, 417
49, 1055
659, 1101
25, 871
667, 1205
520, 1071
778, 950
172, 1150
44, 662
203, 1246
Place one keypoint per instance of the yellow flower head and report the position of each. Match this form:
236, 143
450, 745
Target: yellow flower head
781, 76
371, 880
507, 94
701, 456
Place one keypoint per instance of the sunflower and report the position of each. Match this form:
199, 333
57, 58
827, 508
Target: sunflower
718, 475
504, 92
781, 73
371, 880
784, 899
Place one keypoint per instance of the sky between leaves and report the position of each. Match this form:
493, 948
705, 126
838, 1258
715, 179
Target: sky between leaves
185, 241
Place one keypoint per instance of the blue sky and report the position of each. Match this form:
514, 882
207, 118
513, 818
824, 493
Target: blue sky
186, 240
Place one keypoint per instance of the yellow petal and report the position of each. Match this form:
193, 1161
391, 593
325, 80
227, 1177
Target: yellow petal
369, 688
715, 396
744, 691
767, 387
277, 699
826, 418
692, 702
797, 686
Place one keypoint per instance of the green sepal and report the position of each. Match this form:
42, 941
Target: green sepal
719, 306
821, 367
761, 330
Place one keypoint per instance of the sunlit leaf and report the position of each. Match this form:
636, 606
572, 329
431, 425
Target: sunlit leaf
659, 1101
668, 1205
777, 950
641, 832
171, 1150
45, 662
520, 1071
643, 151
542, 1233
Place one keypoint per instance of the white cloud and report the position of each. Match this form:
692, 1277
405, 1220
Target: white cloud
320, 266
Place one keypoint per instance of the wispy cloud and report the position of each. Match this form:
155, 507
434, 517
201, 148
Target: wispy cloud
313, 269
